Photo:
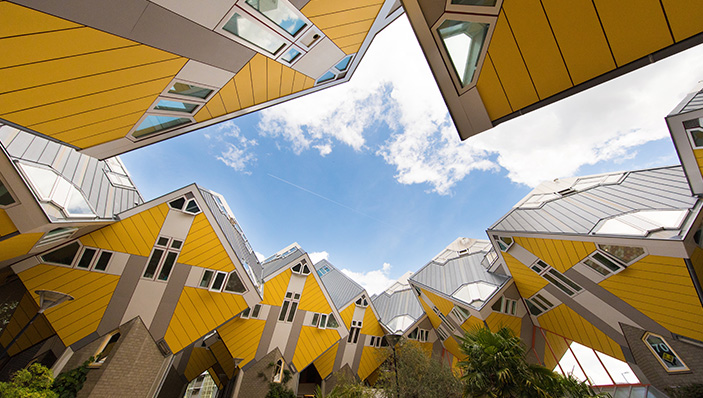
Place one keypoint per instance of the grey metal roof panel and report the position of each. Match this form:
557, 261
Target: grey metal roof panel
401, 302
270, 267
340, 287
47, 157
447, 278
695, 103
36, 148
235, 237
661, 189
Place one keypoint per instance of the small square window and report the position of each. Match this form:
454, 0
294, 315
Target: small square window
189, 90
103, 261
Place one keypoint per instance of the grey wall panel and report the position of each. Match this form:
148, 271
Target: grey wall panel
79, 173
87, 182
102, 198
294, 337
70, 166
122, 295
267, 334
169, 300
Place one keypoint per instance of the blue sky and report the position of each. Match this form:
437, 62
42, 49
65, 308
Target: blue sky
371, 174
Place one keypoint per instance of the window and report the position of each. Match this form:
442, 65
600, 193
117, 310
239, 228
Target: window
627, 254
336, 72
417, 291
290, 304
537, 304
556, 278
695, 132
155, 123
278, 371
354, 332
503, 242
323, 271
186, 204
6, 198
344, 63
163, 258
254, 33
252, 314
280, 13
603, 264
375, 341
234, 284
326, 77
175, 106
105, 348
362, 302
420, 335
301, 268
58, 196
324, 321
73, 255
460, 314
505, 305
666, 355
442, 334
463, 42
189, 90
443, 318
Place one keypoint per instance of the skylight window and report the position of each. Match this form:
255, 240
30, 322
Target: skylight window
175, 106
344, 63
155, 123
641, 223
189, 90
325, 77
291, 55
463, 42
475, 293
57, 191
254, 33
280, 13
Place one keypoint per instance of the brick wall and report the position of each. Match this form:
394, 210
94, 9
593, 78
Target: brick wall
255, 386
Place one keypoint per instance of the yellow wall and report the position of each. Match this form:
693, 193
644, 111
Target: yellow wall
497, 320
312, 343
312, 299
133, 235
275, 289
224, 358
554, 349
39, 330
345, 23
526, 280
371, 359
453, 346
347, 314
18, 245
664, 293
325, 363
472, 323
203, 248
6, 225
199, 311
699, 159
442, 304
74, 83
697, 261
91, 291
200, 360
371, 325
560, 254
242, 337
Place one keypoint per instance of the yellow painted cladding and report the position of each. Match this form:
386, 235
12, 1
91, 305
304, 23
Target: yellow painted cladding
203, 248
451, 345
697, 261
347, 315
312, 343
345, 23
275, 288
73, 83
91, 291
445, 306
434, 319
312, 299
199, 311
260, 80
698, 153
371, 325
560, 254
6, 225
526, 280
325, 363
472, 323
39, 330
554, 349
200, 360
134, 235
565, 322
224, 358
371, 359
18, 245
242, 337
664, 293
497, 320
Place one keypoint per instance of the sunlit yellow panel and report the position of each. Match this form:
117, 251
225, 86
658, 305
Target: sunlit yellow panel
371, 326
201, 359
344, 17
580, 37
664, 293
537, 46
684, 17
554, 349
224, 358
202, 115
697, 261
6, 225
312, 343
510, 67
275, 289
634, 28
273, 70
560, 254
348, 314
472, 323
316, 8
496, 321
352, 28
228, 93
216, 106
526, 280
451, 345
259, 78
18, 245
244, 85
325, 362
312, 299
242, 337
18, 20
287, 77
491, 91
39, 330
371, 359
203, 248
299, 82
444, 305
434, 319
351, 40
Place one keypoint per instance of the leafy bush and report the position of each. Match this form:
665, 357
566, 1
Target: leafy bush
32, 382
688, 391
67, 384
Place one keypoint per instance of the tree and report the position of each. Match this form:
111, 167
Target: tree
496, 367
67, 384
32, 382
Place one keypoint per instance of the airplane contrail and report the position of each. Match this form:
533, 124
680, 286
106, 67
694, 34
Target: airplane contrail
331, 200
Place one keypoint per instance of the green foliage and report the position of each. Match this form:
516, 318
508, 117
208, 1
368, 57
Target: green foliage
419, 376
67, 384
278, 390
496, 367
32, 382
6, 311
688, 391
347, 388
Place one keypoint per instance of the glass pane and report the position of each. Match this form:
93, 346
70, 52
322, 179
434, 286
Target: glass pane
176, 244
153, 263
323, 321
326, 77
533, 309
103, 261
190, 90
697, 136
596, 267
332, 322
63, 255
489, 3
102, 356
177, 204
544, 300
162, 241
626, 254
246, 312
219, 281
234, 284
344, 63
168, 266
257, 308
155, 123
76, 205
315, 319
5, 197
86, 258
607, 262
192, 207
207, 277
291, 314
291, 55
175, 106
42, 179
463, 42
556, 283
254, 34
565, 280
296, 268
284, 309
279, 13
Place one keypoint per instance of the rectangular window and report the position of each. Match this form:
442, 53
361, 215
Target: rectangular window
443, 318
556, 278
290, 304
218, 281
163, 258
280, 13
189, 90
175, 106
537, 304
251, 314
442, 334
460, 314
155, 123
73, 255
253, 33
354, 332
5, 196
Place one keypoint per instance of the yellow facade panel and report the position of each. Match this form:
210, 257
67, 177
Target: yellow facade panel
434, 319
371, 325
228, 93
216, 106
325, 363
287, 77
683, 17
312, 343
354, 48
6, 225
312, 299
538, 46
526, 280
496, 321
273, 72
39, 330
202, 115
698, 153
350, 40
18, 20
371, 359
244, 86
259, 78
347, 315
203, 248
299, 82
275, 289
665, 293
316, 8
353, 28
697, 262
560, 254
100, 133
451, 345
27, 49
580, 37
223, 357
201, 359
444, 305
17, 245
472, 323
634, 28
554, 349
242, 337
491, 91
510, 67
345, 17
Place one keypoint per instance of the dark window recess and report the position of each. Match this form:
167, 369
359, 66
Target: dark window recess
162, 242
5, 197
168, 266
86, 258
63, 255
153, 263
177, 204
192, 207
103, 261
207, 277
234, 284
219, 280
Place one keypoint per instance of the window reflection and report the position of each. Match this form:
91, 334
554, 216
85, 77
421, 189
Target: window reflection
279, 13
254, 34
463, 41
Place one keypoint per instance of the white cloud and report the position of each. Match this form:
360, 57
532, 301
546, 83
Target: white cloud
393, 85
259, 256
237, 152
375, 281
315, 257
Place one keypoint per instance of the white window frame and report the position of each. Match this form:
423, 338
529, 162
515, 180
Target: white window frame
667, 348
501, 239
544, 269
625, 264
443, 318
421, 335
443, 335
375, 341
690, 137
458, 315
249, 312
166, 249
187, 200
354, 332
79, 255
303, 264
539, 302
289, 311
362, 302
